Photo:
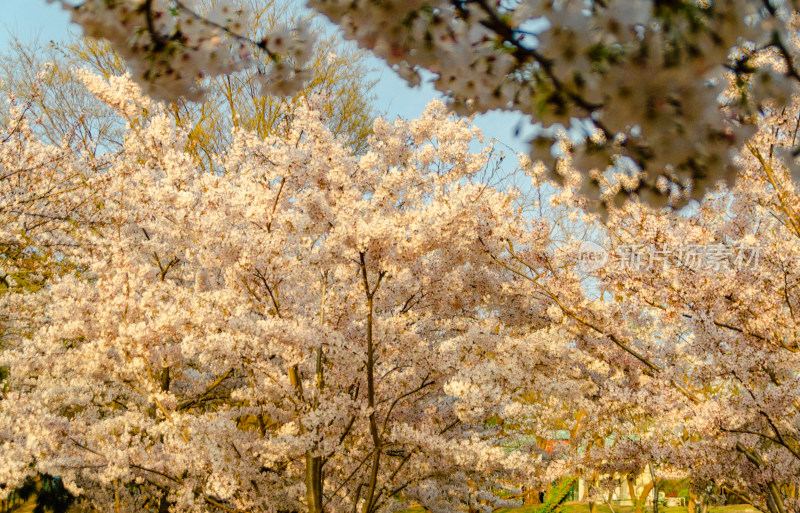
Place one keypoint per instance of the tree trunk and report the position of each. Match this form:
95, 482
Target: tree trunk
692, 504
774, 496
593, 505
313, 471
314, 483
632, 488
314, 475
372, 484
531, 497
640, 501
610, 500
163, 504
655, 488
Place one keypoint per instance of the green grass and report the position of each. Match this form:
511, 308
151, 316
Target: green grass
583, 507
733, 508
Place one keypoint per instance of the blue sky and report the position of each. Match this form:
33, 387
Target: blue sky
36, 19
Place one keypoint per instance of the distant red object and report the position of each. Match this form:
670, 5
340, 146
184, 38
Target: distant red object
552, 445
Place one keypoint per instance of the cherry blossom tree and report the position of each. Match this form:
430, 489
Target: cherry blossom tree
693, 315
300, 330
722, 322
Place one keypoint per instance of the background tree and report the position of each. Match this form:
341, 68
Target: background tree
42, 196
339, 74
695, 321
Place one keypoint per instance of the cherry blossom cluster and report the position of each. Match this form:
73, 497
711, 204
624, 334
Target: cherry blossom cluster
170, 45
42, 193
639, 81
